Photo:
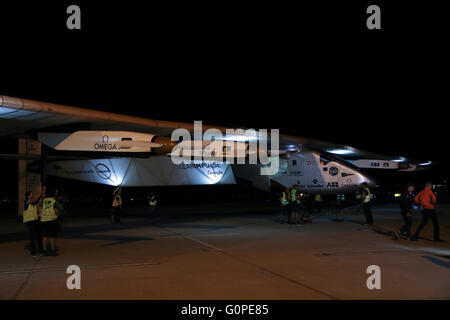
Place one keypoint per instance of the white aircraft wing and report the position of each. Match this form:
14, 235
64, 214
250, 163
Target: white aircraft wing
19, 117
359, 158
28, 118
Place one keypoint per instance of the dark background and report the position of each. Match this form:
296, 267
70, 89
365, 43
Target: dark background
311, 70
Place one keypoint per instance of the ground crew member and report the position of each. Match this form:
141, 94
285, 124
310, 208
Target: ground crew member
427, 199
117, 205
340, 200
152, 202
284, 201
50, 224
367, 203
31, 219
295, 205
318, 202
307, 203
60, 200
406, 205
42, 196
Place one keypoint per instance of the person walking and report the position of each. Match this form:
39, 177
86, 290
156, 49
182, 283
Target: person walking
427, 200
406, 205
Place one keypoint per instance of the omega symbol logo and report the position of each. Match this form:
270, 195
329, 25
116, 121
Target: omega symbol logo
103, 171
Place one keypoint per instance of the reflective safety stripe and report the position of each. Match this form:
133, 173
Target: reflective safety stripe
30, 214
340, 197
152, 202
48, 211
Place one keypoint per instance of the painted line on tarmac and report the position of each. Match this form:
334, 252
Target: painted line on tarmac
178, 234
256, 265
104, 266
24, 283
279, 275
203, 243
215, 235
200, 235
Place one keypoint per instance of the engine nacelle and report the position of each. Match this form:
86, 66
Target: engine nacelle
100, 141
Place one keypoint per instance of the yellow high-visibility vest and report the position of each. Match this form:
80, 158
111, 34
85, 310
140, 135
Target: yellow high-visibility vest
30, 214
284, 200
318, 198
152, 202
48, 211
117, 200
294, 196
368, 196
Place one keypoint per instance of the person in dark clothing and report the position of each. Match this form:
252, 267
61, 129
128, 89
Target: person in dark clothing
152, 201
318, 203
406, 205
308, 205
31, 219
340, 201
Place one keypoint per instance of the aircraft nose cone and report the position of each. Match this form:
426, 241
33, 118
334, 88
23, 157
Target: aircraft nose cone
370, 181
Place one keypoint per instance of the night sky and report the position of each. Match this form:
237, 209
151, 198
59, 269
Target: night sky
313, 71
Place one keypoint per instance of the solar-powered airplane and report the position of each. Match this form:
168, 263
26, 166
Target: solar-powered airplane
115, 149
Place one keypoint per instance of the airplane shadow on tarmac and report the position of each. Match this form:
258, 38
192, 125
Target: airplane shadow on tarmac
195, 226
90, 232
437, 261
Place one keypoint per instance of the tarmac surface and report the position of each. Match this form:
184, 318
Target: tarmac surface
228, 251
